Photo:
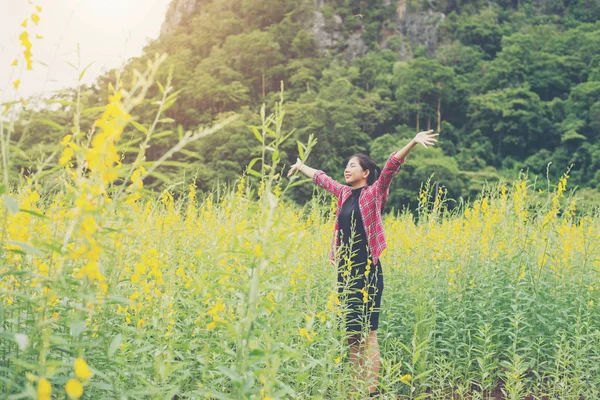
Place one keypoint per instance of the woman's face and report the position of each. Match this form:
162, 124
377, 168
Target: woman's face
354, 172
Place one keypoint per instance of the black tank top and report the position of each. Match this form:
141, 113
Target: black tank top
352, 231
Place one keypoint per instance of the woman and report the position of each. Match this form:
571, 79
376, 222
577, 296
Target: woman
358, 242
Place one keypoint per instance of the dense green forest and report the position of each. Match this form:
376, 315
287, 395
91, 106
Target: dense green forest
510, 85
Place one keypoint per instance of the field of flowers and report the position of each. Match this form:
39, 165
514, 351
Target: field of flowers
109, 292
234, 298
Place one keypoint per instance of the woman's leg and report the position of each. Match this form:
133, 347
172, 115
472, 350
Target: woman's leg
365, 358
356, 359
355, 352
373, 361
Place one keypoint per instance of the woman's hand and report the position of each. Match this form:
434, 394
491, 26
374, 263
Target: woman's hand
426, 138
295, 167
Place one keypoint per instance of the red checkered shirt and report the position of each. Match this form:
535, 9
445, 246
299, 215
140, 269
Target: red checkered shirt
371, 202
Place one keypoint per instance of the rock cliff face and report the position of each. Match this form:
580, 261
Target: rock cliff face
177, 9
416, 28
411, 29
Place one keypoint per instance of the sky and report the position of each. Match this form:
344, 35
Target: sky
108, 33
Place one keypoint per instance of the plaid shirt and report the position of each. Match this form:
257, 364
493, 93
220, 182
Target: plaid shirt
371, 202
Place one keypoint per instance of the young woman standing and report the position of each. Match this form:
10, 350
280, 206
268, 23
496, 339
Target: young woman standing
358, 243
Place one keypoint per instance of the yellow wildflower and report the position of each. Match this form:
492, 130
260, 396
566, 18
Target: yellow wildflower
304, 333
258, 253
74, 389
44, 390
66, 156
89, 224
82, 371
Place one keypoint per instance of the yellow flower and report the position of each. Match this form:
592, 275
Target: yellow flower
66, 140
217, 308
15, 62
211, 326
24, 24
405, 378
44, 390
74, 388
338, 360
304, 333
17, 83
258, 251
82, 371
38, 8
35, 18
89, 224
66, 156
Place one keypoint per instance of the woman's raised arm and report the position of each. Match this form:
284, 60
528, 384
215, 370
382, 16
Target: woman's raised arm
319, 177
305, 169
392, 166
425, 138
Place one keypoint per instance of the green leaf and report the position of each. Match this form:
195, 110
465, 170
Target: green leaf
84, 70
167, 163
26, 247
93, 110
257, 134
190, 154
139, 127
161, 87
270, 131
167, 105
33, 213
254, 161
22, 341
114, 345
15, 149
77, 327
298, 183
11, 203
231, 374
257, 353
301, 150
50, 123
254, 173
162, 134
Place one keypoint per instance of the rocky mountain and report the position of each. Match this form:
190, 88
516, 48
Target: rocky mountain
411, 28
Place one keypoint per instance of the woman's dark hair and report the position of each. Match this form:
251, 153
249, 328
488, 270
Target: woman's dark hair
366, 163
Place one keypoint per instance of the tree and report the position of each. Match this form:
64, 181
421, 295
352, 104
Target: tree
513, 119
424, 81
254, 55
